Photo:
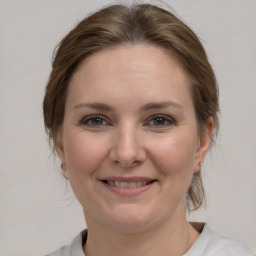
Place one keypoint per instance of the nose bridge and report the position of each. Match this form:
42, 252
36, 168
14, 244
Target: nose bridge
127, 148
127, 139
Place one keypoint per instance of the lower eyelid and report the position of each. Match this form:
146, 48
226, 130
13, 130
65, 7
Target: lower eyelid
166, 119
87, 119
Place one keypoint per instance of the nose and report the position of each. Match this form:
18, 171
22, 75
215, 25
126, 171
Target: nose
127, 148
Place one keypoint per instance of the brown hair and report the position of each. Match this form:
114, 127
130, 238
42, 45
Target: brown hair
138, 24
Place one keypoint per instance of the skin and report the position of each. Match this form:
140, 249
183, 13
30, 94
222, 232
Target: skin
132, 141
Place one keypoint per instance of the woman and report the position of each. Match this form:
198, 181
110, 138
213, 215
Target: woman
131, 108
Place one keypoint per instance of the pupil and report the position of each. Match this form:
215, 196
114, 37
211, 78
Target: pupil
159, 121
97, 121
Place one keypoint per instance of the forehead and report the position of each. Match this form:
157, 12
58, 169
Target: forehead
139, 70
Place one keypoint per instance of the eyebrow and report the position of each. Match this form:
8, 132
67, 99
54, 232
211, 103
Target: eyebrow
160, 105
147, 107
98, 106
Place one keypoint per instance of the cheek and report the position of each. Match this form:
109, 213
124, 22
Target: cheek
175, 157
83, 153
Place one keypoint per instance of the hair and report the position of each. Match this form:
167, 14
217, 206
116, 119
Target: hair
137, 24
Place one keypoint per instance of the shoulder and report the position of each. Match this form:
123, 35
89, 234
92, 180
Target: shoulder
75, 248
209, 243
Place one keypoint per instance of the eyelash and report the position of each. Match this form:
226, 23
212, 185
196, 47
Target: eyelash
164, 118
87, 121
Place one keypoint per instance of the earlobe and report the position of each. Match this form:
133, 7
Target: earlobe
63, 166
60, 152
199, 167
204, 144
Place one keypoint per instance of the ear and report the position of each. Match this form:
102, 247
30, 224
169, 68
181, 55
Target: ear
204, 144
58, 144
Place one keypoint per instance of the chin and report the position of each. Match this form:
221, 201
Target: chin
128, 219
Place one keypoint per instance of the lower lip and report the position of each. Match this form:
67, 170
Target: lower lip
128, 191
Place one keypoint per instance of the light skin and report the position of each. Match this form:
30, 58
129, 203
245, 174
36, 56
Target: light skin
129, 117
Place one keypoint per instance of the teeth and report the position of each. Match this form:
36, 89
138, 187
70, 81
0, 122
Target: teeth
132, 184
111, 183
123, 184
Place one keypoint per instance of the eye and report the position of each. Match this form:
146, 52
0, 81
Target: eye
161, 121
94, 121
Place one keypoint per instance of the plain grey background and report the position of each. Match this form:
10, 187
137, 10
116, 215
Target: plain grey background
38, 212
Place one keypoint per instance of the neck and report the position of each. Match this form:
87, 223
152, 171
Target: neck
167, 239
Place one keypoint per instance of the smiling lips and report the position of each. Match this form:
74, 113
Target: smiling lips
128, 186
123, 184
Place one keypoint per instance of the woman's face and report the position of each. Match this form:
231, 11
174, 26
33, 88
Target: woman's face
129, 140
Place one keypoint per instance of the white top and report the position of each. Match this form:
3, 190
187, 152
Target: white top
208, 243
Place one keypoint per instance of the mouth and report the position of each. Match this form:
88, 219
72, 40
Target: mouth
130, 186
125, 184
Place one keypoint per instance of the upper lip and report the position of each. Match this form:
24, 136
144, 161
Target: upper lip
127, 179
